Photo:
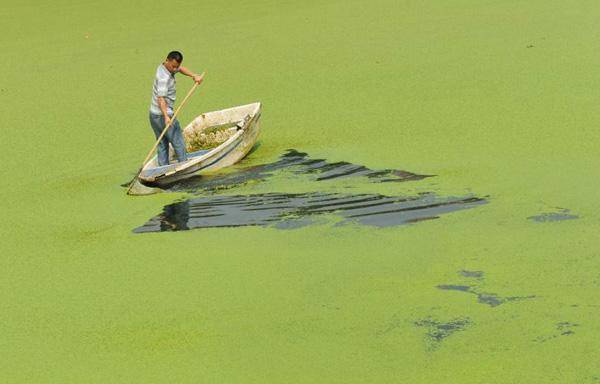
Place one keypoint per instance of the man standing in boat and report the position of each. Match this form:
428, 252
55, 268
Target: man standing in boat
161, 108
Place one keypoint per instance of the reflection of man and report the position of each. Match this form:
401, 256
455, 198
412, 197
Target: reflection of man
161, 108
175, 217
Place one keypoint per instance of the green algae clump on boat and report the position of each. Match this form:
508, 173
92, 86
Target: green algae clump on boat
208, 138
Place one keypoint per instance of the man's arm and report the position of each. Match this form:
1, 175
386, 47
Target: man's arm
197, 78
162, 104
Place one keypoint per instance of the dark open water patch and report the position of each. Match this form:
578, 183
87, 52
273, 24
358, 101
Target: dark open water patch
437, 331
559, 215
471, 274
296, 210
292, 210
491, 299
564, 328
297, 163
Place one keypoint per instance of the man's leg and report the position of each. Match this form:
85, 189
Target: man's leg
158, 124
176, 138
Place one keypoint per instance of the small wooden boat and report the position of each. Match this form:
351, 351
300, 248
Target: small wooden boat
239, 126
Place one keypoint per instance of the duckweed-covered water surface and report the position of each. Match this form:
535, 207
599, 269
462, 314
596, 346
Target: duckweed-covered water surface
436, 222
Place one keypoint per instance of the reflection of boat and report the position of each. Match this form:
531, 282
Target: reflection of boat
240, 124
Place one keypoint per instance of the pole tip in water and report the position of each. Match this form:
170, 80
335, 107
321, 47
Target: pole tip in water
139, 189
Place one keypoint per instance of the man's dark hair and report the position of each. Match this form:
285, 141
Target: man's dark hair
175, 55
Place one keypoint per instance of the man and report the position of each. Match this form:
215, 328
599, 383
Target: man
161, 108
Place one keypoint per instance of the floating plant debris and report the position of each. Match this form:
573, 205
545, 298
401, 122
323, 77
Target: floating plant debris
295, 210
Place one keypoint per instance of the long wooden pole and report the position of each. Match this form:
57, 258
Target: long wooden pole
164, 132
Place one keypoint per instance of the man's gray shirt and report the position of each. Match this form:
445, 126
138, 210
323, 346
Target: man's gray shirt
164, 86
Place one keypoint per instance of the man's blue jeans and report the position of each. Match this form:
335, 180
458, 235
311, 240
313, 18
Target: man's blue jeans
173, 136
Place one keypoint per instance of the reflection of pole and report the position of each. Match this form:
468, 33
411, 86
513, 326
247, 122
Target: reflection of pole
175, 217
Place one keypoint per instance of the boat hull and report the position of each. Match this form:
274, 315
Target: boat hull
210, 161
